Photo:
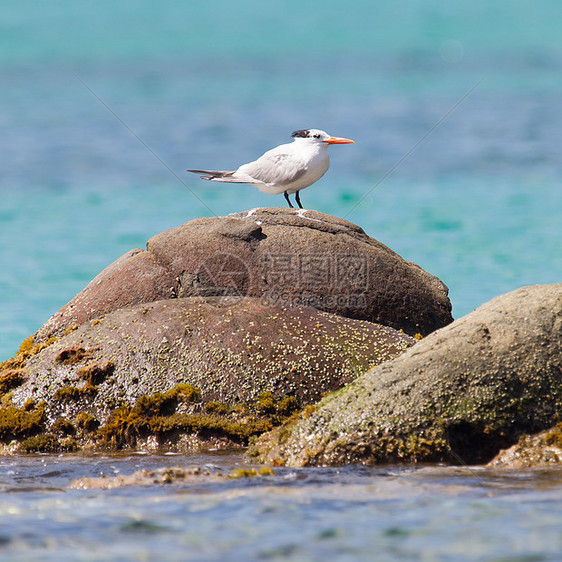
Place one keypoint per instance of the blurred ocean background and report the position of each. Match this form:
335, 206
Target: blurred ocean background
104, 105
456, 108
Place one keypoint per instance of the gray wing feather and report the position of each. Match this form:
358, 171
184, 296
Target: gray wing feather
278, 169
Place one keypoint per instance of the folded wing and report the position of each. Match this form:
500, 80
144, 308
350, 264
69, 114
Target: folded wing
277, 169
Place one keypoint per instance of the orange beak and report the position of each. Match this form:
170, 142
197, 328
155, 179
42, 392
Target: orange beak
338, 140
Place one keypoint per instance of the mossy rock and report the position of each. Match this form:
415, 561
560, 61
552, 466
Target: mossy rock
21, 423
459, 395
173, 420
252, 364
540, 450
231, 350
47, 443
10, 379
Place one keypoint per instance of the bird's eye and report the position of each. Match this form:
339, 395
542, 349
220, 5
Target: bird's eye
316, 136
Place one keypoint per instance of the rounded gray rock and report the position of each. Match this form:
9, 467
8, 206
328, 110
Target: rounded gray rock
460, 395
230, 349
287, 256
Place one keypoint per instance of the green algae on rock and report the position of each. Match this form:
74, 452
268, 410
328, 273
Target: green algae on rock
74, 393
459, 395
130, 379
174, 420
251, 472
10, 379
28, 348
165, 420
19, 424
47, 443
231, 351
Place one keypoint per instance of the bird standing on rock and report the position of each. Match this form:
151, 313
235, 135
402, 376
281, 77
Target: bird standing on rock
287, 168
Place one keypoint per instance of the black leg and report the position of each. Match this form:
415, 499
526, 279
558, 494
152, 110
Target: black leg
287, 198
297, 197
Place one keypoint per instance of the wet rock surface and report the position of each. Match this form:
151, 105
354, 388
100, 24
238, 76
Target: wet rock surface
285, 256
231, 349
542, 449
460, 395
171, 475
249, 365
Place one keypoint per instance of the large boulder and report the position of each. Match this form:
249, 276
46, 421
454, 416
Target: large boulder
460, 395
284, 256
230, 351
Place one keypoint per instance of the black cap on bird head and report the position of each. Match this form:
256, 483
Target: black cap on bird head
301, 133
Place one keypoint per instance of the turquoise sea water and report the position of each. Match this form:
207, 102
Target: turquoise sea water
456, 110
214, 84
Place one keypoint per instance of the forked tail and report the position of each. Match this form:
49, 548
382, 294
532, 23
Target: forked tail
216, 175
210, 174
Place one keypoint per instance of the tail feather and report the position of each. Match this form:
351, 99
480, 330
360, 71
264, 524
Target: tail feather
211, 174
216, 175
